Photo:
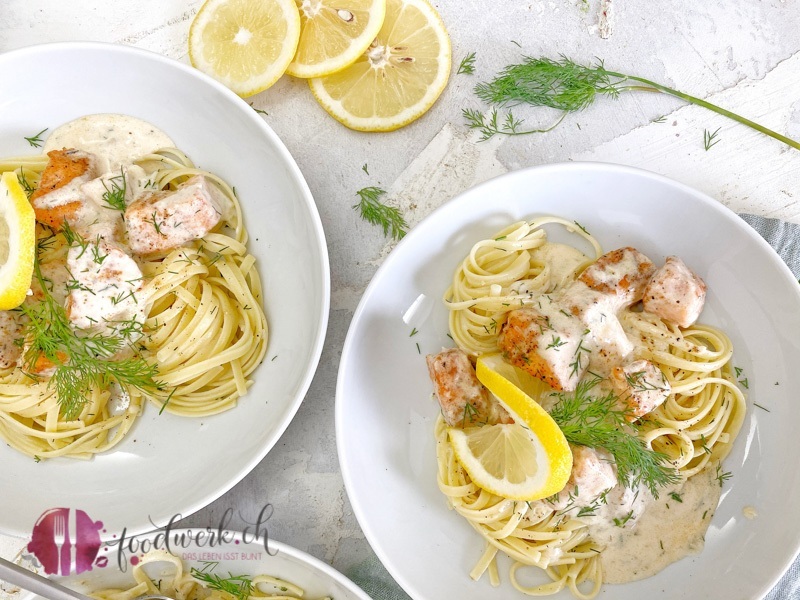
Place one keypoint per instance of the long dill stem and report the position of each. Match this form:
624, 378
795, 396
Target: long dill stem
705, 104
568, 86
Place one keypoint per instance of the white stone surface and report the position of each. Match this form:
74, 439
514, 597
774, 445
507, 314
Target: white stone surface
743, 54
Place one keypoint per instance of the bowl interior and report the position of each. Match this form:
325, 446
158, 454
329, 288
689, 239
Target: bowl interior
167, 464
385, 414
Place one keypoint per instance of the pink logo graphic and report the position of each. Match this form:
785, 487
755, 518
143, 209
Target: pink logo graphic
65, 541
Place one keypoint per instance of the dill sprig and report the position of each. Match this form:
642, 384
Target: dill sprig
36, 140
238, 586
491, 124
597, 422
115, 195
467, 66
258, 110
376, 212
26, 185
568, 86
710, 139
81, 359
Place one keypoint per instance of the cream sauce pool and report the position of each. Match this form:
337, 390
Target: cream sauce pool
667, 529
119, 139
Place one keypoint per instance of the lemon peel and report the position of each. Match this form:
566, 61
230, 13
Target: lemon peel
17, 242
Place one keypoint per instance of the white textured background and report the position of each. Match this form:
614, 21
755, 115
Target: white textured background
742, 54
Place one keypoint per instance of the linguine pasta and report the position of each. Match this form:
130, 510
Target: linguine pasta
204, 328
695, 427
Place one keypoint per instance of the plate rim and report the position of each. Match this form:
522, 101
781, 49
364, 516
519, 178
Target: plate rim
419, 231
315, 222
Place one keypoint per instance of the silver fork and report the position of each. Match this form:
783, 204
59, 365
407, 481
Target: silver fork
37, 584
59, 536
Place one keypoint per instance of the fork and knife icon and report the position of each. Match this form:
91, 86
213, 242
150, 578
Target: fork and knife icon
64, 533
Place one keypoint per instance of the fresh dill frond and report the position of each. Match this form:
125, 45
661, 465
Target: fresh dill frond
581, 227
36, 140
598, 422
563, 84
364, 168
568, 86
156, 224
26, 185
258, 110
710, 139
238, 586
115, 195
620, 522
81, 359
467, 66
376, 212
491, 124
661, 119
722, 476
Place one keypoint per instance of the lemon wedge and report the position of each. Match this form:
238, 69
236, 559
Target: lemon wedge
17, 242
245, 44
399, 76
334, 34
527, 460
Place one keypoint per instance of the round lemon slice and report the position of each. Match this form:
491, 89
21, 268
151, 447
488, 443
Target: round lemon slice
245, 44
334, 34
398, 78
17, 242
527, 460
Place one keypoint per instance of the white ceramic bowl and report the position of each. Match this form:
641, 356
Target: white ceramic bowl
168, 464
385, 415
237, 556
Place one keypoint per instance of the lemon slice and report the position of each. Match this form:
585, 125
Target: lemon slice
245, 44
17, 242
334, 34
517, 390
527, 460
398, 78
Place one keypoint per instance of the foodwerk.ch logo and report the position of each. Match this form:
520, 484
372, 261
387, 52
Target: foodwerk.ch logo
66, 541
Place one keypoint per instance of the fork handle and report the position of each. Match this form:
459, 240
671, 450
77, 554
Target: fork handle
28, 580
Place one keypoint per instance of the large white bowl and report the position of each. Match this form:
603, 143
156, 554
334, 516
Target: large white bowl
168, 464
385, 415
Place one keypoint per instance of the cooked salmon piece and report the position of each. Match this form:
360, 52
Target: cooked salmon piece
58, 197
592, 474
463, 399
641, 386
11, 330
55, 277
163, 220
675, 293
622, 274
557, 339
104, 286
547, 342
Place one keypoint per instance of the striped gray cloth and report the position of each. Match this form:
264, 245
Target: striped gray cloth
375, 580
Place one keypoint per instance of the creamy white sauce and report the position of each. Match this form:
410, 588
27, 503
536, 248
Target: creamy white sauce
106, 288
561, 262
116, 139
659, 532
608, 343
